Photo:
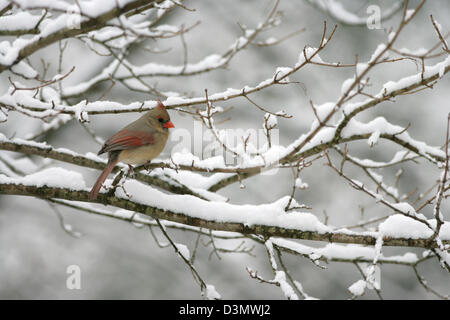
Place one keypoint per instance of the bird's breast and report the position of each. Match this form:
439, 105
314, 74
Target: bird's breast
143, 154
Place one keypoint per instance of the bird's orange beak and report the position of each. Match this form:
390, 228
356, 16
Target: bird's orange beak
168, 125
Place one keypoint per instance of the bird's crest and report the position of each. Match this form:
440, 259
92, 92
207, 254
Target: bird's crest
160, 105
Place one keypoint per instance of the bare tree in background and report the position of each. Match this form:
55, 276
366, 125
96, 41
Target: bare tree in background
183, 191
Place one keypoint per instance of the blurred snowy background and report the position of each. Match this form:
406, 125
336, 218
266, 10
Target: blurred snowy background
120, 261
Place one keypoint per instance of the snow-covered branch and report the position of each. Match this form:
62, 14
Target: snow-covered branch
342, 139
268, 220
57, 29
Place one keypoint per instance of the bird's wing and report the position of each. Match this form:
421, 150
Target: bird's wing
126, 139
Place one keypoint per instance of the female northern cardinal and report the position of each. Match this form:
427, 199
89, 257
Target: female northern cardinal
136, 144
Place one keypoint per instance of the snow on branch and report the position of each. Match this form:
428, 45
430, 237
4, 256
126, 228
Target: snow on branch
57, 29
152, 69
181, 192
267, 219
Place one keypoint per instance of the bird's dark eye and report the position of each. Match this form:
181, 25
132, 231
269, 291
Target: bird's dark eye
161, 120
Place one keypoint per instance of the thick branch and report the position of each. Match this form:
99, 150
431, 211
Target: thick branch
157, 213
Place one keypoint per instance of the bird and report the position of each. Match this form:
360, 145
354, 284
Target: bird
136, 144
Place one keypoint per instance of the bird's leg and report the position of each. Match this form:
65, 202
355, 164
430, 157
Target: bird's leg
130, 172
146, 166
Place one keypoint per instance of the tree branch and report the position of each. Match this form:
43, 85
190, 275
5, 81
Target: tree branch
158, 213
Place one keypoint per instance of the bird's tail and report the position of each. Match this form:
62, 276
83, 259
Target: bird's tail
98, 184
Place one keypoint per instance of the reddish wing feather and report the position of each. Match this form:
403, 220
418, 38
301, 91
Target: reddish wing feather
125, 139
